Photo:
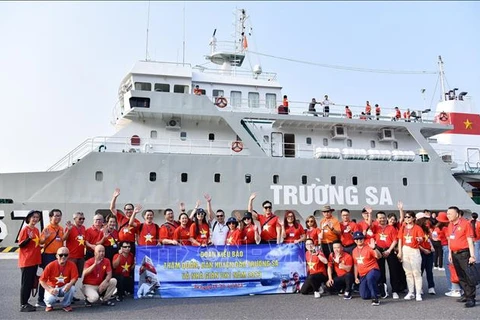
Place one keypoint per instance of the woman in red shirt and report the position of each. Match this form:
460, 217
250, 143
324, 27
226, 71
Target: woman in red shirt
316, 270
234, 235
111, 237
29, 258
199, 230
250, 234
312, 231
182, 233
410, 237
292, 231
426, 251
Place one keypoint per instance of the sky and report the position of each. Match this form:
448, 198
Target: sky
61, 62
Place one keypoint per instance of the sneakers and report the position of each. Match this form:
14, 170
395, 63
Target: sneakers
395, 296
27, 308
409, 296
375, 302
431, 291
68, 309
317, 295
48, 308
87, 303
435, 268
441, 269
418, 297
347, 296
40, 304
108, 303
453, 293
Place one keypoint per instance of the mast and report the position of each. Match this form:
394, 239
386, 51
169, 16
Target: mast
442, 77
148, 25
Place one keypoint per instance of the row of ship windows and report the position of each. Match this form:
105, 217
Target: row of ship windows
248, 178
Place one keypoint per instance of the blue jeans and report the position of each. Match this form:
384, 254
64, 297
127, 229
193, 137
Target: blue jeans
427, 266
368, 284
446, 265
50, 300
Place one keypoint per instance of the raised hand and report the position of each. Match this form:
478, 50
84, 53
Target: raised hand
137, 208
182, 206
369, 209
68, 225
207, 197
400, 205
252, 196
372, 243
116, 193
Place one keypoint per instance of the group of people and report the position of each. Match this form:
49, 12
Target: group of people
340, 254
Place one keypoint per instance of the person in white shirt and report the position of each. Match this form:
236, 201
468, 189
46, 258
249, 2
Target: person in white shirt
326, 106
219, 229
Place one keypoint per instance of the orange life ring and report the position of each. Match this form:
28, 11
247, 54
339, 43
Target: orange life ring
443, 116
237, 146
221, 102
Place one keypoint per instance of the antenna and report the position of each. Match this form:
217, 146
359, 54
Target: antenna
148, 25
183, 61
442, 76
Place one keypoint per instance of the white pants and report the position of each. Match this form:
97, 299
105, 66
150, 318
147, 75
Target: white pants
92, 295
412, 264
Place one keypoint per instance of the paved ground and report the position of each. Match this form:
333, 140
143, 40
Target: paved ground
244, 307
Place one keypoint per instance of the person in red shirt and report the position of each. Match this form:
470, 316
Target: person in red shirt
94, 235
386, 240
311, 230
330, 230
409, 238
97, 279
368, 109
462, 253
426, 250
110, 239
340, 275
148, 232
292, 231
182, 233
29, 258
476, 233
123, 265
271, 228
316, 270
348, 112
58, 279
406, 115
367, 224
126, 232
366, 270
199, 230
347, 228
75, 240
168, 228
197, 91
249, 229
377, 111
234, 235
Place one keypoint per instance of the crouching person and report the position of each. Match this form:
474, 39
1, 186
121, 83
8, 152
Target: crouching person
58, 279
98, 283
123, 270
316, 270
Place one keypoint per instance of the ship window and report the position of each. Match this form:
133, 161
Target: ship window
183, 136
372, 143
153, 134
153, 176
304, 180
217, 93
236, 99
211, 136
395, 145
354, 181
405, 182
276, 178
99, 176
308, 141
325, 142
143, 86
8, 201
333, 180
179, 88
349, 143
253, 100
138, 102
270, 100
162, 87
216, 177
248, 178
184, 177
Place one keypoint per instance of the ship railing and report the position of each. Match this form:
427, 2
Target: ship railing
268, 76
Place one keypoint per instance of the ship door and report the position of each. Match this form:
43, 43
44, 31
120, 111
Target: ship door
277, 144
289, 145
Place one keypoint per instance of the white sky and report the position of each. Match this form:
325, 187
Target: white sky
61, 63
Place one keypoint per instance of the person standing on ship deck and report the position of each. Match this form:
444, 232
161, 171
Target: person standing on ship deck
368, 110
326, 106
348, 112
271, 229
311, 107
377, 111
219, 228
329, 230
126, 232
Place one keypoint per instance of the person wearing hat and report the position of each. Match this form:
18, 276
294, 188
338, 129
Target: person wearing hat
329, 230
29, 258
249, 229
234, 235
199, 230
462, 253
271, 229
367, 224
365, 268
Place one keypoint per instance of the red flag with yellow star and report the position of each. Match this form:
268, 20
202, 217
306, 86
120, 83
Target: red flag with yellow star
463, 123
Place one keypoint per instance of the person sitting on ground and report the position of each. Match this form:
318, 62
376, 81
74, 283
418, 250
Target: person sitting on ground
98, 283
58, 279
316, 271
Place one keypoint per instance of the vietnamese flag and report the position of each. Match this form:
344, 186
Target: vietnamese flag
463, 123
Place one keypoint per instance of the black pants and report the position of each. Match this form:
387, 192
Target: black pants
313, 282
26, 286
46, 259
344, 282
123, 284
460, 262
438, 258
327, 248
398, 281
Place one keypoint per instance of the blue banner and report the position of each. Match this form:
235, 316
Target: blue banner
187, 271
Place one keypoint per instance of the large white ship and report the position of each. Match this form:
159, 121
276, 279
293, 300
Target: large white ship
173, 146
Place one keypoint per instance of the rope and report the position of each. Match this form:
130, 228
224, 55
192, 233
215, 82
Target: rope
344, 67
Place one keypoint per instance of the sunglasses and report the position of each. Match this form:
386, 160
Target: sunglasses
310, 221
268, 207
63, 255
408, 217
220, 216
247, 218
81, 219
126, 247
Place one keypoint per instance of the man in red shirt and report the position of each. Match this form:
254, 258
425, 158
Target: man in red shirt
126, 232
94, 235
98, 283
340, 263
271, 228
123, 265
330, 230
462, 253
168, 228
366, 270
58, 279
347, 228
75, 240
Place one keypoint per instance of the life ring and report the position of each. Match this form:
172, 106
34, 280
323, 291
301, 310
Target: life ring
443, 116
237, 146
221, 102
